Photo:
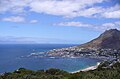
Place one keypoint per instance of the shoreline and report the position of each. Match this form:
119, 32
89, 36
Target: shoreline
88, 68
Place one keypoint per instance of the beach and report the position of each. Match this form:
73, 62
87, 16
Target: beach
88, 68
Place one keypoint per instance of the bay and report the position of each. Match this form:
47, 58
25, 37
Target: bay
10, 58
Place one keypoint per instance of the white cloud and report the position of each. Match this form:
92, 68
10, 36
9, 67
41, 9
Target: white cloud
65, 8
113, 12
14, 19
100, 27
107, 26
18, 19
34, 21
76, 24
90, 12
14, 6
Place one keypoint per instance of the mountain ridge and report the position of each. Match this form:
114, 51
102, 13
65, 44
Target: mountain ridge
108, 39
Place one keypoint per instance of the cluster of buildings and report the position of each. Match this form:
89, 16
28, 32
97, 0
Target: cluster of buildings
84, 52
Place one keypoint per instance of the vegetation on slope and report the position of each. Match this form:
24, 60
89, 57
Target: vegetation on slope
100, 73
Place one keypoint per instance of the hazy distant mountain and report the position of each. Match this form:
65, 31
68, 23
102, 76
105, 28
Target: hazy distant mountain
31, 40
108, 39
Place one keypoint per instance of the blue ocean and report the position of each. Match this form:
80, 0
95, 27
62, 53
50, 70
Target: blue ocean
10, 58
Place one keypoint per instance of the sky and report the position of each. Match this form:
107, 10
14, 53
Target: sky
56, 21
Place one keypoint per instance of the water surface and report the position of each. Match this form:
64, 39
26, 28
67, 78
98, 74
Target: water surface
10, 58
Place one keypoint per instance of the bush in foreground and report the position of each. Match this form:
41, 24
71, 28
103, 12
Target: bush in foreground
100, 73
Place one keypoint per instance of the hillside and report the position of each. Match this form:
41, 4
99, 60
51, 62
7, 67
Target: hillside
108, 39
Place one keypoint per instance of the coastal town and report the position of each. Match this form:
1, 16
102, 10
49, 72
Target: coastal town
74, 52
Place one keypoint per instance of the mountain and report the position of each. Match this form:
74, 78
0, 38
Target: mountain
108, 39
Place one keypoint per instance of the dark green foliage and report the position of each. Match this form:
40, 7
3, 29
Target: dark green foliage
104, 64
53, 71
116, 66
101, 73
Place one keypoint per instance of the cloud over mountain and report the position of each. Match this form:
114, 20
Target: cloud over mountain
101, 27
